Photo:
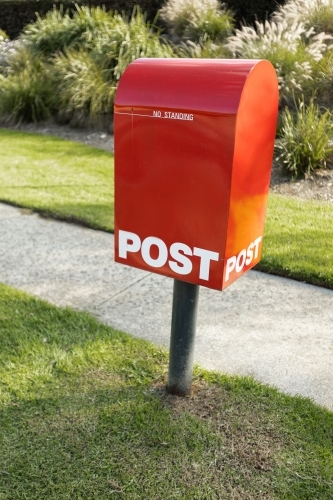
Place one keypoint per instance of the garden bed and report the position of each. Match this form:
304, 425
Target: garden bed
318, 186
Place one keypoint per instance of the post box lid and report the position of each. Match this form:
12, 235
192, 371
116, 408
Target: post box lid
200, 85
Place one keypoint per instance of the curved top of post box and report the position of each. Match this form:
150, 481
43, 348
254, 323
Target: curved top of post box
203, 85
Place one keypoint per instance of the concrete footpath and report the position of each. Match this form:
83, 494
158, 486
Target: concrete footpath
279, 331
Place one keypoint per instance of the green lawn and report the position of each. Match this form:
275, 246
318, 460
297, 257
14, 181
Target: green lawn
299, 240
84, 415
60, 178
75, 182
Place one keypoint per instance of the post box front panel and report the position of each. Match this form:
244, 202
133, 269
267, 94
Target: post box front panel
173, 181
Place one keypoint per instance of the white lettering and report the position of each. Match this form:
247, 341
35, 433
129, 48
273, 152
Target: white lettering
240, 261
174, 116
179, 252
230, 266
206, 256
128, 242
245, 257
186, 264
249, 254
256, 244
162, 251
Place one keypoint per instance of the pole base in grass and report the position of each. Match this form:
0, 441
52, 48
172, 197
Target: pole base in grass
183, 326
174, 390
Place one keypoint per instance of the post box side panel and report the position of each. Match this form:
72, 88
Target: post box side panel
173, 182
198, 85
254, 145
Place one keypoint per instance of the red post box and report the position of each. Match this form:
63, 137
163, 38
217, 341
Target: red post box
194, 143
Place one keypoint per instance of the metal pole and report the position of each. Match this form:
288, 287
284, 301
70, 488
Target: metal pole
183, 325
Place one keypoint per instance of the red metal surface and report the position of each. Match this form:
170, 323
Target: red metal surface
193, 151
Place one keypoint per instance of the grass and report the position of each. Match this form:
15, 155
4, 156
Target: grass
75, 182
84, 415
59, 178
298, 240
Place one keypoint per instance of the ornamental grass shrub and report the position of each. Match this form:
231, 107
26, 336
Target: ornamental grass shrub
87, 79
125, 40
194, 19
321, 16
73, 63
291, 48
205, 48
316, 14
6, 48
84, 89
59, 30
3, 35
323, 79
305, 138
26, 89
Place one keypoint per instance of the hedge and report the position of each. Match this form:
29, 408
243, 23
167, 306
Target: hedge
15, 14
246, 12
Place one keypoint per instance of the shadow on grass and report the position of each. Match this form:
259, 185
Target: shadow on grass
88, 418
95, 216
139, 443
